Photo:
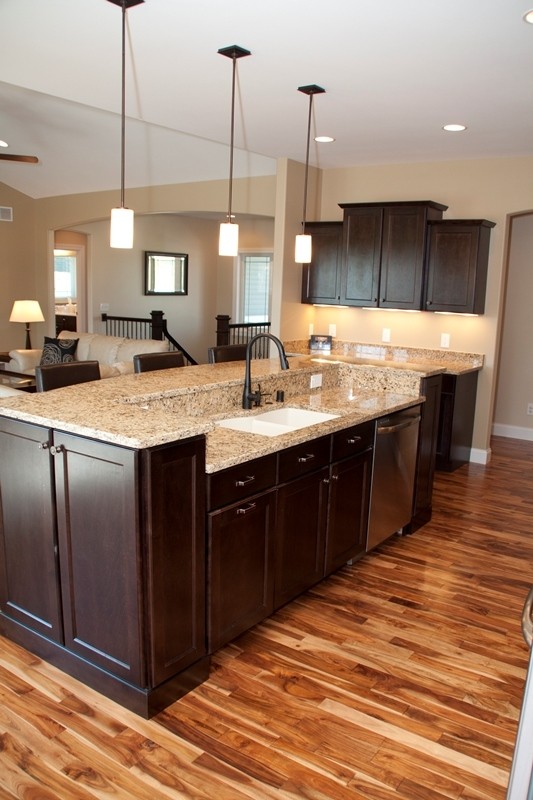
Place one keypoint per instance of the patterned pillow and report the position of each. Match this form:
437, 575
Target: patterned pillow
56, 351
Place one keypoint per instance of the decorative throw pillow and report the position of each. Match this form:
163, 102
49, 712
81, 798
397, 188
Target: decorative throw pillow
56, 351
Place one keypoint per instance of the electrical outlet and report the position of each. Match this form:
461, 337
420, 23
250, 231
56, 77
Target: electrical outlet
445, 340
530, 409
311, 329
385, 335
332, 330
316, 381
104, 308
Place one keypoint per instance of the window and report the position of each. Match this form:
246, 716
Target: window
65, 262
255, 279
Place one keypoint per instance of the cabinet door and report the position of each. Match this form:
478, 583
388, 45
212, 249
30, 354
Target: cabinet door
29, 576
300, 535
240, 567
100, 555
457, 266
321, 278
173, 480
348, 510
362, 230
402, 257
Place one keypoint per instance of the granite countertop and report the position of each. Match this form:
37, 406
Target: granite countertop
152, 408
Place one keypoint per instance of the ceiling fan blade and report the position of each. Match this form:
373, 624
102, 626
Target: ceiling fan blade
10, 157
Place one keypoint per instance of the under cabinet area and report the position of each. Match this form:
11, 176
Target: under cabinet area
100, 574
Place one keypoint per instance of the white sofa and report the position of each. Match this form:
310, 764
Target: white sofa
113, 353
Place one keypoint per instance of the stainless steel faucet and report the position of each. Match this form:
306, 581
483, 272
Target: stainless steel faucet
249, 398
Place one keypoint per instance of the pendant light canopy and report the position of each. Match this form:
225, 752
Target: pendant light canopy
228, 243
302, 248
121, 232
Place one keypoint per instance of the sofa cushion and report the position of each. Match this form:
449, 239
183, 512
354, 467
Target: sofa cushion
57, 351
131, 347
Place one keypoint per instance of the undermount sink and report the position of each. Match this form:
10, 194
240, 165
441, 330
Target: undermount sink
276, 422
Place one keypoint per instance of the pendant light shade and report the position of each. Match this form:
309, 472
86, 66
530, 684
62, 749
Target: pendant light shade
228, 242
121, 231
303, 244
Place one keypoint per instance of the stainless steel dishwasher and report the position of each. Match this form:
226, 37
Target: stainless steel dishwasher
393, 478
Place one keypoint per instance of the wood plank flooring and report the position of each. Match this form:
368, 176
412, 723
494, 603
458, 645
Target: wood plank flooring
398, 677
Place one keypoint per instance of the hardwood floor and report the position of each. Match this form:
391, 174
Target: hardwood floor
398, 677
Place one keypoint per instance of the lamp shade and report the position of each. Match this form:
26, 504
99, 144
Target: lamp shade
303, 248
121, 232
228, 241
26, 311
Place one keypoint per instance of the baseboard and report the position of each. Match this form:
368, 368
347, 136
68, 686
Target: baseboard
478, 456
512, 432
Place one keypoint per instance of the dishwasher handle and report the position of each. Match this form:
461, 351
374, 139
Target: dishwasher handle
406, 423
527, 619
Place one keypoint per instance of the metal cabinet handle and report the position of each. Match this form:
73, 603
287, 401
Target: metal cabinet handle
55, 450
355, 440
527, 619
245, 509
306, 458
44, 445
335, 477
246, 481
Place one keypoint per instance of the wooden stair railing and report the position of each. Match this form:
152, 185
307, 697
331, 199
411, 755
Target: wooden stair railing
241, 333
141, 328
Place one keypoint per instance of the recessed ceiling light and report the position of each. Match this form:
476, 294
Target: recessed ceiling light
324, 139
454, 127
528, 17
3, 144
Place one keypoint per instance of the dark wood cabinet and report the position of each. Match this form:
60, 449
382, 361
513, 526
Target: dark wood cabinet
240, 578
66, 322
300, 535
98, 562
427, 451
456, 421
29, 564
321, 278
384, 252
349, 495
458, 253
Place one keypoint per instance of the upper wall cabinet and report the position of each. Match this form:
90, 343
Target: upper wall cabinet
321, 279
383, 253
458, 254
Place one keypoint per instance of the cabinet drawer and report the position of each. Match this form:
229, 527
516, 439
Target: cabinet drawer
352, 440
303, 458
235, 483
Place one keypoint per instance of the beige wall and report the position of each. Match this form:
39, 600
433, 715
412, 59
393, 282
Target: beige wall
17, 267
515, 377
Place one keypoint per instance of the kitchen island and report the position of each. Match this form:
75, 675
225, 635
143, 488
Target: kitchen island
106, 568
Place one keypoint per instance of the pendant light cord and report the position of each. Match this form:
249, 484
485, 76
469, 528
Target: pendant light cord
307, 161
232, 136
123, 109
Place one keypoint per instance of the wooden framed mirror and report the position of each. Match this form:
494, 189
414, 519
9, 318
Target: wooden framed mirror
165, 273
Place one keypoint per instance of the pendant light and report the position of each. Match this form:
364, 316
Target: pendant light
302, 248
228, 242
121, 231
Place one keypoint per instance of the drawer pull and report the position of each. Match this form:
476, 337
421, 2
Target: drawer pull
306, 458
354, 440
245, 509
246, 481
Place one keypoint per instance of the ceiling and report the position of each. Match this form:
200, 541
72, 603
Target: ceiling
395, 71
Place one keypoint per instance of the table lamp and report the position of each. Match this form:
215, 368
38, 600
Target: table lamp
26, 311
